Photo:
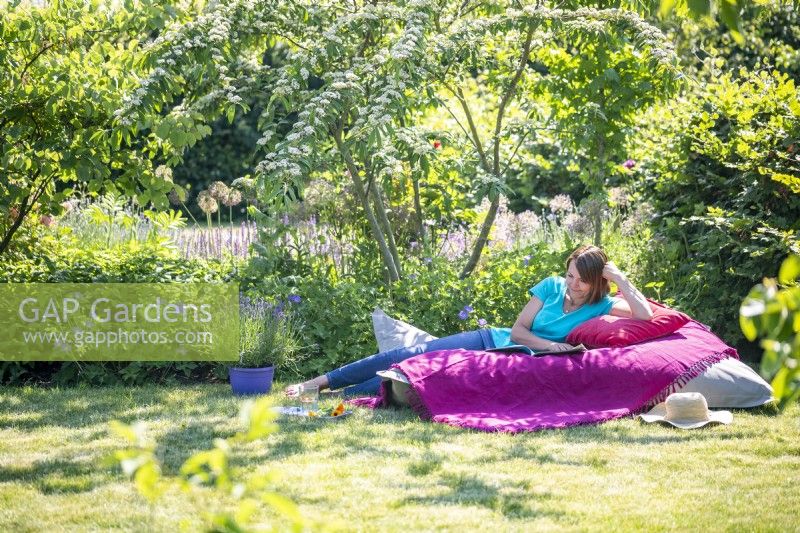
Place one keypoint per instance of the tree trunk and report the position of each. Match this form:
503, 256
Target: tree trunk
477, 250
380, 208
598, 215
11, 231
418, 211
598, 229
24, 209
495, 169
386, 254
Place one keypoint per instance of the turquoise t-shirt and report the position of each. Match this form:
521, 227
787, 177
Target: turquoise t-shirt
551, 322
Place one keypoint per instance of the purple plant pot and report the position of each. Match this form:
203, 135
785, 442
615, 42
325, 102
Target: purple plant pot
251, 380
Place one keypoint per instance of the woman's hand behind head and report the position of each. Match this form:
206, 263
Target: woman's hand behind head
612, 273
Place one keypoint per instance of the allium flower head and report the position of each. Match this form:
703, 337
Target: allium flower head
561, 203
69, 205
577, 224
175, 197
218, 190
629, 164
468, 308
463, 315
482, 322
294, 298
232, 198
207, 203
593, 207
247, 186
618, 196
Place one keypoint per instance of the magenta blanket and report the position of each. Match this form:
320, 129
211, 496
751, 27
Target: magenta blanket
512, 393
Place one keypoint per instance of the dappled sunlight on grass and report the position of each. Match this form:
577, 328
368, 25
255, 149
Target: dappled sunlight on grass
364, 470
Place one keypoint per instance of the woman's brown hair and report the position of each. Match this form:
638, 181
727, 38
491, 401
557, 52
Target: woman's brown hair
590, 261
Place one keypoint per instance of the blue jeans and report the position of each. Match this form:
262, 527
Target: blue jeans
361, 374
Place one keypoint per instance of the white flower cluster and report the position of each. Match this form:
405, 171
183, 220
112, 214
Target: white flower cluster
415, 140
386, 161
265, 138
412, 38
525, 224
561, 204
164, 173
378, 111
274, 164
212, 32
645, 35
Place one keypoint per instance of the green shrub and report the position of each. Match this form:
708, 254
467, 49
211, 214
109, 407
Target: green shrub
722, 174
336, 314
64, 260
771, 312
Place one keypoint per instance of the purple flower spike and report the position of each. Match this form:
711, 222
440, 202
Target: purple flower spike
463, 315
295, 299
629, 164
482, 322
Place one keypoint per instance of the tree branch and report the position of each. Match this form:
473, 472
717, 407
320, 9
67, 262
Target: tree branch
476, 138
513, 154
523, 61
25, 208
34, 58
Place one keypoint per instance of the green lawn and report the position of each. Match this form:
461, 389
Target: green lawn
387, 471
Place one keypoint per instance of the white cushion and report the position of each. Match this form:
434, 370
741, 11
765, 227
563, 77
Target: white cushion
391, 333
728, 383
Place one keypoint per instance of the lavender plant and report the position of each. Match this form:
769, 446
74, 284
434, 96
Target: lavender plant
268, 333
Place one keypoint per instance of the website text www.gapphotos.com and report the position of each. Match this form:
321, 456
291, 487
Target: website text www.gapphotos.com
80, 338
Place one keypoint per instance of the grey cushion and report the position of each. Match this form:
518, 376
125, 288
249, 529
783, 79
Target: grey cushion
391, 333
729, 383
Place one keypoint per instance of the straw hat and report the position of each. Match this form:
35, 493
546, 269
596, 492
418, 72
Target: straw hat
686, 410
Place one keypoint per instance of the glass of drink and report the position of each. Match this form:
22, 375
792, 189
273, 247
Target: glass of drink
309, 396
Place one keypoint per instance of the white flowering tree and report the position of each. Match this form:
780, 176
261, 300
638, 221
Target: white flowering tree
64, 67
338, 101
356, 76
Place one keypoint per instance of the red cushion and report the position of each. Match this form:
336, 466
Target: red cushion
609, 331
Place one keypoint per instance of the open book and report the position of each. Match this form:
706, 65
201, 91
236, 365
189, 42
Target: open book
519, 348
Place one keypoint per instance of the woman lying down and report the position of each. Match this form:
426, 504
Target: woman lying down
557, 305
